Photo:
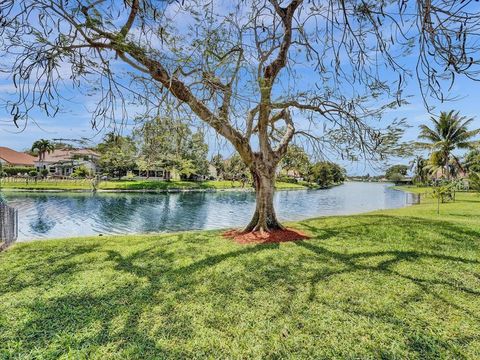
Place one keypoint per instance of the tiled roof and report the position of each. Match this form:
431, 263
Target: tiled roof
67, 154
13, 157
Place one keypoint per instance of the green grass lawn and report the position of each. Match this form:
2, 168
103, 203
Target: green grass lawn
415, 189
85, 184
397, 284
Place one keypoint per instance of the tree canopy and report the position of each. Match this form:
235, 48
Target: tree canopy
41, 147
326, 173
449, 132
169, 143
118, 154
296, 159
396, 172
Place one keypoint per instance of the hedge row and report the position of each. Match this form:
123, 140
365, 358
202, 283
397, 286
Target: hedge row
14, 170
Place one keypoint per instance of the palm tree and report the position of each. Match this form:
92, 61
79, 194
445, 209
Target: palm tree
418, 165
43, 146
449, 132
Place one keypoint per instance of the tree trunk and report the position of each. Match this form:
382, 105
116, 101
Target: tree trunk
264, 218
447, 167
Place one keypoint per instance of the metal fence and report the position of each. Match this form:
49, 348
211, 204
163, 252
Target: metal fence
8, 225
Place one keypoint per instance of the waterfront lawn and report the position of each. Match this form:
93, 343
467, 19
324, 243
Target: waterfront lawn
415, 189
397, 284
86, 184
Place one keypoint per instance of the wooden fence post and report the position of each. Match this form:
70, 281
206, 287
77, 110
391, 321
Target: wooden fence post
8, 225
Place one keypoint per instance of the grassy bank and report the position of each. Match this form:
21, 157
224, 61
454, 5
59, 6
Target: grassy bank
85, 184
415, 189
397, 284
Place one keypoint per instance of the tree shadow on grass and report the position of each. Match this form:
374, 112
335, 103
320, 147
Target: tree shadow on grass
155, 284
43, 266
58, 317
388, 223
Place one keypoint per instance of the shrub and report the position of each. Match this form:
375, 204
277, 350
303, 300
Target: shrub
33, 173
396, 177
44, 172
474, 181
396, 172
286, 179
81, 172
15, 170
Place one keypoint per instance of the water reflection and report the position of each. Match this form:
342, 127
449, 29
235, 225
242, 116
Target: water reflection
52, 215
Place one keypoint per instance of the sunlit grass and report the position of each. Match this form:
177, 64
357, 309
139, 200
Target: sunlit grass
397, 284
86, 184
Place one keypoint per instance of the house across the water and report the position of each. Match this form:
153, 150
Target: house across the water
63, 162
10, 157
154, 174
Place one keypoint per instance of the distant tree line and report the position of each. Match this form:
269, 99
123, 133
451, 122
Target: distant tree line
159, 143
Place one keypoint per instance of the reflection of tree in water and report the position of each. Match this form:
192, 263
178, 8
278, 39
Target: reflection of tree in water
116, 211
42, 223
174, 212
149, 212
161, 212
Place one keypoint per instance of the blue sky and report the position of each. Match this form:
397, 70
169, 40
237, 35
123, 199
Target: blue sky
74, 120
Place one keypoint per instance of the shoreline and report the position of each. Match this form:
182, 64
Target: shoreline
187, 230
160, 191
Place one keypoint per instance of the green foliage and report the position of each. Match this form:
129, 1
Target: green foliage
443, 192
396, 172
420, 171
295, 160
118, 154
33, 173
44, 172
472, 161
396, 284
218, 162
449, 132
236, 170
15, 170
197, 152
287, 179
81, 172
42, 146
474, 181
169, 144
326, 173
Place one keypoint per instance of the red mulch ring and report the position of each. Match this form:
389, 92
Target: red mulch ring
275, 236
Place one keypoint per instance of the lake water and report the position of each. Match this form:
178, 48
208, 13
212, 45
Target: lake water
53, 215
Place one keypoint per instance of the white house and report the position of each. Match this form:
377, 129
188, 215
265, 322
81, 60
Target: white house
64, 161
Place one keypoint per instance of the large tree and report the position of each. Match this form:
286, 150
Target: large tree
326, 173
418, 165
296, 159
258, 72
396, 171
118, 154
449, 132
170, 144
472, 161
